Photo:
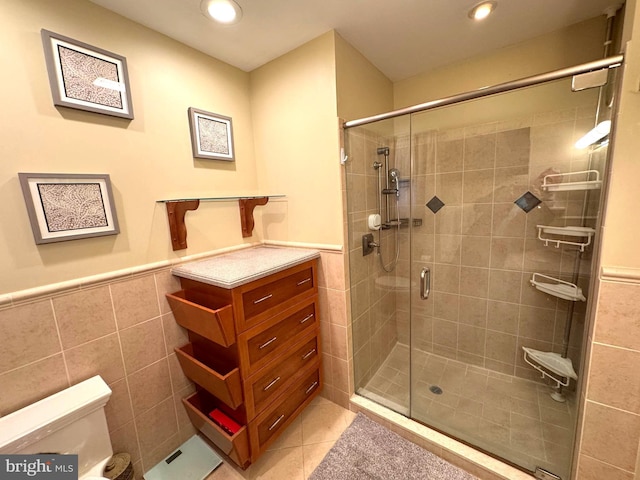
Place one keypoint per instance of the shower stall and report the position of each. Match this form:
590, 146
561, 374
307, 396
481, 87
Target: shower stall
472, 227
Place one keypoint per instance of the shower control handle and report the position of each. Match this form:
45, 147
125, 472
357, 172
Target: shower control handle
425, 283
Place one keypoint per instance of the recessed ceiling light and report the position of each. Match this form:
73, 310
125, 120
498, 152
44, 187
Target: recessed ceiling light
482, 10
226, 12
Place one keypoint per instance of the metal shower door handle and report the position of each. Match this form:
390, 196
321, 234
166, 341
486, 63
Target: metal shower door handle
425, 283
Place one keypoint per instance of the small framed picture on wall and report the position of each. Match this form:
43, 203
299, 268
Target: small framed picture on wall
211, 135
66, 206
85, 77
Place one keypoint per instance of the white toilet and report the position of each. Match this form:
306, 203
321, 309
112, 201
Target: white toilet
70, 421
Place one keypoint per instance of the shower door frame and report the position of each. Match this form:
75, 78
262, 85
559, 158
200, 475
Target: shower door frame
610, 62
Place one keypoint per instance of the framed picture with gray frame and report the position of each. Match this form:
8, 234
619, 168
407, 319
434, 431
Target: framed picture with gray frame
66, 206
85, 77
211, 135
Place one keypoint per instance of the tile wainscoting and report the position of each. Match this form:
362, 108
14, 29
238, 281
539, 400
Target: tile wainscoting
120, 326
609, 434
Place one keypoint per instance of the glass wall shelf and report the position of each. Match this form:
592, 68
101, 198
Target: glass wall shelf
178, 207
230, 198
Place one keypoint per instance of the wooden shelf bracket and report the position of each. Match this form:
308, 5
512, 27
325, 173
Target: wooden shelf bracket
246, 213
176, 212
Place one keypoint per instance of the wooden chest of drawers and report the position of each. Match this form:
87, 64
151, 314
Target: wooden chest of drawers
254, 354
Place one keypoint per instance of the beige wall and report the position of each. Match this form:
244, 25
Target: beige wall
570, 46
362, 89
295, 125
620, 233
148, 158
290, 105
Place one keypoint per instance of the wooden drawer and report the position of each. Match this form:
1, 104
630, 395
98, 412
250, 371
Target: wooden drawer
263, 343
264, 386
266, 297
203, 314
268, 425
220, 380
234, 446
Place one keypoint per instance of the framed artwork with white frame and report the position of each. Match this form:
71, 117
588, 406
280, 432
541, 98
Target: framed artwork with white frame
211, 135
66, 206
85, 77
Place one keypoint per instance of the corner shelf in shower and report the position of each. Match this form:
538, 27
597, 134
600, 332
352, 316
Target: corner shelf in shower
577, 232
586, 184
557, 288
549, 362
178, 207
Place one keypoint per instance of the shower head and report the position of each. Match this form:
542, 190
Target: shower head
383, 150
394, 179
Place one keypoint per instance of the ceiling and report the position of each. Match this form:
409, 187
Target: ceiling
400, 37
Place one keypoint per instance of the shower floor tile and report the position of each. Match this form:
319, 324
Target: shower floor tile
512, 418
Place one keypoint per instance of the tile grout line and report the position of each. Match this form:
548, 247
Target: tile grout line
64, 358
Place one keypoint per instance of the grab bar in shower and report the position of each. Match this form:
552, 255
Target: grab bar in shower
425, 283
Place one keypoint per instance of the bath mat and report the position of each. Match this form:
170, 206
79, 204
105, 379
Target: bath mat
368, 451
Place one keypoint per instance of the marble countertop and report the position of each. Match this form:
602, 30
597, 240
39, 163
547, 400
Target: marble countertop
243, 266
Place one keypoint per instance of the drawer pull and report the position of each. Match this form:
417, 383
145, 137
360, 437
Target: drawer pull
266, 297
267, 343
271, 384
310, 389
302, 282
273, 425
308, 317
309, 353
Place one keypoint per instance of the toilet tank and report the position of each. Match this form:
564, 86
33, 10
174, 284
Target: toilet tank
70, 421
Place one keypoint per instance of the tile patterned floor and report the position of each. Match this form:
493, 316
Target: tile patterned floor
513, 418
299, 449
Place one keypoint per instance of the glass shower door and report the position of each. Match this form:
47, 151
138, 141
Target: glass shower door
508, 208
378, 198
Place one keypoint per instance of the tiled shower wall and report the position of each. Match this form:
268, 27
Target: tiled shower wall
373, 300
482, 248
124, 331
